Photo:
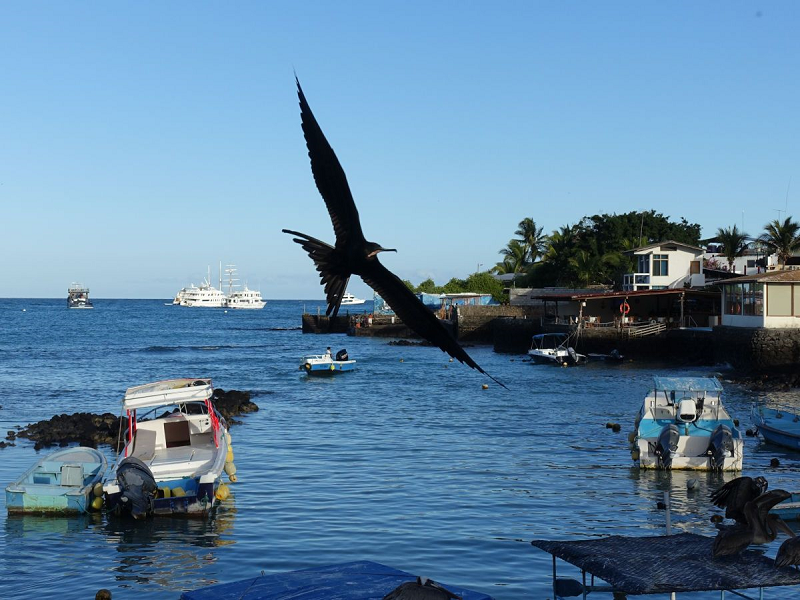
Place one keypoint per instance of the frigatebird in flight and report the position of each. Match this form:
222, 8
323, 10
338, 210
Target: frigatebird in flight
353, 254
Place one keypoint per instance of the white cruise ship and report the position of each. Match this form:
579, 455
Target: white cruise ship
205, 296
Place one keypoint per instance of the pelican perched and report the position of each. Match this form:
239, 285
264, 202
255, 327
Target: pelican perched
761, 527
789, 553
353, 254
421, 589
735, 494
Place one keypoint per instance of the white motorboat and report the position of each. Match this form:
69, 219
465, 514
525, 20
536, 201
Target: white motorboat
683, 425
78, 296
176, 449
554, 348
349, 300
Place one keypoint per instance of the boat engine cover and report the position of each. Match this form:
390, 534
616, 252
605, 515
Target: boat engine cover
341, 354
687, 411
667, 445
720, 445
138, 486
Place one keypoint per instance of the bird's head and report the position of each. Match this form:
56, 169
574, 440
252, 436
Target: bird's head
372, 249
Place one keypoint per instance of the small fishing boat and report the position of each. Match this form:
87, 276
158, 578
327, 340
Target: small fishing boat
789, 509
683, 425
554, 348
176, 447
777, 425
326, 364
78, 296
61, 482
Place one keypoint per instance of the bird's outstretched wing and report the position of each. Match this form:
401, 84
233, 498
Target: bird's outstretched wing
324, 257
415, 314
330, 178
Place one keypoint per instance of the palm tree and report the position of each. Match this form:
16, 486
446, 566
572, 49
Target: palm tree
532, 238
782, 238
515, 256
734, 243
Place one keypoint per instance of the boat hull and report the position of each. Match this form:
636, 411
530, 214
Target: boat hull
60, 483
328, 370
778, 427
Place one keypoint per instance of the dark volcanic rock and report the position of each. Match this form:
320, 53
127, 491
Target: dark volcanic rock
88, 429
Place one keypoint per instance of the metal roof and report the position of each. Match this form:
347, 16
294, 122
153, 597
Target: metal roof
170, 391
671, 563
778, 276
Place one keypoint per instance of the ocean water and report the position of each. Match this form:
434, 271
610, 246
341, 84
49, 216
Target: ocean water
407, 461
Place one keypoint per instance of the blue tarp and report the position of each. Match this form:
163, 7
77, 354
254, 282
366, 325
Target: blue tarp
687, 384
362, 580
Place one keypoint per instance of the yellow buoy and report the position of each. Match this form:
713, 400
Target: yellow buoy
485, 386
233, 478
230, 468
97, 490
222, 492
165, 492
635, 454
178, 492
333, 367
97, 503
229, 456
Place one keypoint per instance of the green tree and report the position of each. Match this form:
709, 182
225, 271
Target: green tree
514, 257
455, 286
782, 238
428, 287
734, 243
531, 236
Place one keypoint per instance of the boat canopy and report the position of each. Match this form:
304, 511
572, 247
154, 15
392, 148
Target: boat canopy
541, 336
686, 384
171, 391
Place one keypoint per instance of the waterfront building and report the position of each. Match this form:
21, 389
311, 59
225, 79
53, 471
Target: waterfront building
665, 265
770, 300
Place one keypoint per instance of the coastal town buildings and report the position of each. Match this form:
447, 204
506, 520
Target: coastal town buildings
665, 265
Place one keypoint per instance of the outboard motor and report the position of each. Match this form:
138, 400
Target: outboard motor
138, 486
720, 445
573, 356
341, 354
667, 445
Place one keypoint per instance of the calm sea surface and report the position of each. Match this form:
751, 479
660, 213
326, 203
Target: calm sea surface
407, 461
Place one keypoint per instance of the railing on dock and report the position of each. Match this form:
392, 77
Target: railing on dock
644, 330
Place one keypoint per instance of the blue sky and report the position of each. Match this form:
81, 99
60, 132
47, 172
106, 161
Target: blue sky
144, 141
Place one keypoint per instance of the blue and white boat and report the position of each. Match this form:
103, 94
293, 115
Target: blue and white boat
777, 425
61, 482
176, 448
326, 364
683, 425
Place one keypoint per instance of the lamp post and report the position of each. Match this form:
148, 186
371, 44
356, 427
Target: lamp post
479, 267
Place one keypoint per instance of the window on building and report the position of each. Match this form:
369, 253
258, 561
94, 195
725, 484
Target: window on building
694, 267
643, 263
733, 299
660, 267
779, 300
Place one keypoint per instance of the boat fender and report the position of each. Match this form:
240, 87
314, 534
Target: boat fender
233, 478
97, 490
720, 445
229, 456
222, 492
230, 469
97, 503
307, 366
635, 454
632, 437
333, 367
165, 492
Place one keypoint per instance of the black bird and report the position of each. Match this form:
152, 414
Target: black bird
761, 527
734, 495
421, 589
789, 553
353, 254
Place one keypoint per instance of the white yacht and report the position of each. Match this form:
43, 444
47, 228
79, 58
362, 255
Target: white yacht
244, 298
349, 300
205, 296
78, 296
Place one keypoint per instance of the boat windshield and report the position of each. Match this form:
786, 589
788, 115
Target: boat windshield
686, 384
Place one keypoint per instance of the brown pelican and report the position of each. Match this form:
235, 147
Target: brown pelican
421, 589
353, 254
735, 494
789, 553
761, 527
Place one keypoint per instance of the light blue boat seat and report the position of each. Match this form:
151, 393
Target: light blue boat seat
72, 475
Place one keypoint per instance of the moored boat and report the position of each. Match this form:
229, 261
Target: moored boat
349, 299
326, 364
777, 425
61, 482
683, 425
177, 447
554, 348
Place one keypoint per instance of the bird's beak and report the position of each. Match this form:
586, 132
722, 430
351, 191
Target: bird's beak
374, 252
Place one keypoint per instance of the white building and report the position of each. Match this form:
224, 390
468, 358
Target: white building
769, 299
665, 265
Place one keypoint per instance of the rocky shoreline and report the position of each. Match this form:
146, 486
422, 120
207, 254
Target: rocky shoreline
89, 429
